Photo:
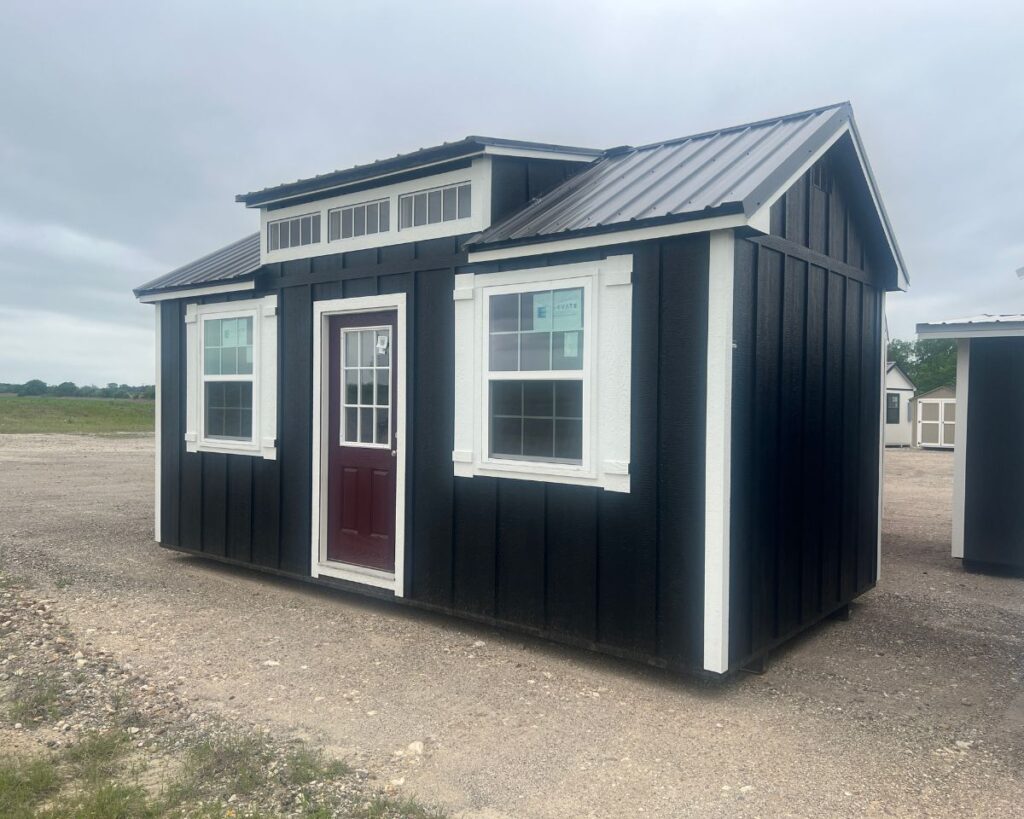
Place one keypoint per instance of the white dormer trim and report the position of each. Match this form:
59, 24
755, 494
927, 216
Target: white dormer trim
478, 175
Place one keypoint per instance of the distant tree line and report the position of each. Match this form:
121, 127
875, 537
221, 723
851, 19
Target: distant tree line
67, 389
929, 363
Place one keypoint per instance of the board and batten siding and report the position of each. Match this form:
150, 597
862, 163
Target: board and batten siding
993, 513
806, 422
619, 572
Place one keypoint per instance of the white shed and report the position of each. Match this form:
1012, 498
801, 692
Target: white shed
899, 392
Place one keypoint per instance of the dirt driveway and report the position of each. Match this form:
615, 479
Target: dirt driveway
913, 707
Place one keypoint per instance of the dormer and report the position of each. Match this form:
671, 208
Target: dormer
455, 189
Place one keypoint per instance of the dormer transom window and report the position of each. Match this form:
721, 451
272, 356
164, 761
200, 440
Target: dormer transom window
429, 207
294, 232
363, 219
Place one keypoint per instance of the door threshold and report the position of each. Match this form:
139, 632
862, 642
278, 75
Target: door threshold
357, 574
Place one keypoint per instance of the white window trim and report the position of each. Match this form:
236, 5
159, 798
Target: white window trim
607, 372
478, 175
264, 381
320, 566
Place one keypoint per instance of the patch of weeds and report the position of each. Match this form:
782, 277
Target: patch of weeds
97, 757
111, 800
228, 764
24, 783
303, 765
63, 581
35, 699
386, 807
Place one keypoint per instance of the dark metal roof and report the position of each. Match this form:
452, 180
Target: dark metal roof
237, 260
727, 171
438, 153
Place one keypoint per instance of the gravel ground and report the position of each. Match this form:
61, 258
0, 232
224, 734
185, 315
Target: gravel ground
913, 707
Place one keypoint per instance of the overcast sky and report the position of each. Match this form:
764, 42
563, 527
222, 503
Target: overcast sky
127, 128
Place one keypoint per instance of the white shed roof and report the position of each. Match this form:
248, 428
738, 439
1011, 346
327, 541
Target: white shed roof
1006, 324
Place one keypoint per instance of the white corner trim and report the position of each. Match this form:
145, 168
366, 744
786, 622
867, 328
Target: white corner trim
606, 373
616, 238
718, 451
318, 545
264, 420
883, 344
196, 292
157, 430
963, 386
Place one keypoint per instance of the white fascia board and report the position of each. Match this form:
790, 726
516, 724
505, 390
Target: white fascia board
540, 153
196, 292
956, 331
618, 237
718, 451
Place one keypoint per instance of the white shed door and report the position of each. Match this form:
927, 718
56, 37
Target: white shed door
936, 422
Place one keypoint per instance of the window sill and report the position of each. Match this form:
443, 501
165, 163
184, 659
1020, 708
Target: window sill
267, 450
614, 478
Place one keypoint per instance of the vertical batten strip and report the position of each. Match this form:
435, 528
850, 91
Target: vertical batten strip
157, 456
718, 450
963, 372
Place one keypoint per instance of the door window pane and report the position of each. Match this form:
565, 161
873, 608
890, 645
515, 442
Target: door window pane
367, 386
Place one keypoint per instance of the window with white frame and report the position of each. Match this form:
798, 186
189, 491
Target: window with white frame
535, 374
295, 232
363, 219
231, 392
429, 207
540, 395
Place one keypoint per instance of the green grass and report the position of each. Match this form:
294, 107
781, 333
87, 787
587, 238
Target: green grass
24, 783
91, 415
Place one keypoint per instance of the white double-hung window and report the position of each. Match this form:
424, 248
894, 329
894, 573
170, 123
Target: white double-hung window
543, 373
231, 393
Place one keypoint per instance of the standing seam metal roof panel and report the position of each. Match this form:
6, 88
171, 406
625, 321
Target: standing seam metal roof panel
234, 261
676, 178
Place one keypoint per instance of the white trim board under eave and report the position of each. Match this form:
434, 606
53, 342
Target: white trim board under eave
963, 384
212, 290
618, 237
718, 451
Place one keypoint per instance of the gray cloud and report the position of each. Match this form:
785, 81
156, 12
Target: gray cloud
127, 128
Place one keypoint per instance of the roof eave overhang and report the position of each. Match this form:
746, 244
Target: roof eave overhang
995, 329
329, 184
758, 203
246, 281
725, 216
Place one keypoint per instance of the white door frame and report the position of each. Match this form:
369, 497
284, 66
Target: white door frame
318, 564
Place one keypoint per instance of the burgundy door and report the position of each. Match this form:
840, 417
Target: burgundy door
362, 451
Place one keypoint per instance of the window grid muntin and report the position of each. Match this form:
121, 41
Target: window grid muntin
296, 231
342, 222
251, 377
584, 374
416, 209
565, 333
360, 407
555, 418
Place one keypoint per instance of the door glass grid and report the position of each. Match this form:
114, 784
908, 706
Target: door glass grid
366, 387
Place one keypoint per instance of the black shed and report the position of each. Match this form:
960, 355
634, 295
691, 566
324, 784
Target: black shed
988, 451
625, 399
